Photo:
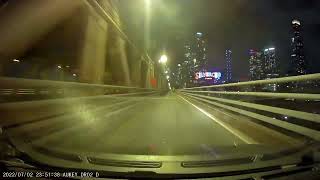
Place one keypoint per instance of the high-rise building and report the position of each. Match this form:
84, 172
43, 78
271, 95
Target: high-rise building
228, 71
298, 62
188, 65
271, 64
256, 68
199, 52
195, 59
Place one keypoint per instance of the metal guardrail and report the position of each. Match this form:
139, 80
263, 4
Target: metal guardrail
73, 97
5, 81
314, 97
304, 78
237, 101
20, 86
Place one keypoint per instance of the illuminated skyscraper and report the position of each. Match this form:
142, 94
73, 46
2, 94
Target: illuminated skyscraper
256, 68
298, 62
199, 52
188, 66
271, 64
195, 59
228, 73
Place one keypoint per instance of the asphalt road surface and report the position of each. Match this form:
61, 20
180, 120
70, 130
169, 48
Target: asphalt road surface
160, 125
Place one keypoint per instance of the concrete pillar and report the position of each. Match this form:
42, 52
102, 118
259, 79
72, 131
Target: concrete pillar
135, 70
148, 78
118, 59
150, 74
124, 61
94, 49
144, 70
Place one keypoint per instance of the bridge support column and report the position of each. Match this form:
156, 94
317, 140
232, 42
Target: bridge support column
135, 69
93, 54
150, 75
148, 78
118, 60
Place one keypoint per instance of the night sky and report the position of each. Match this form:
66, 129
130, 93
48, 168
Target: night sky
238, 25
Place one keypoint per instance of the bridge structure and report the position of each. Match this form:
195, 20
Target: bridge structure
68, 120
86, 38
161, 121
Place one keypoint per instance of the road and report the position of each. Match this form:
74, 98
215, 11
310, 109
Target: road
159, 125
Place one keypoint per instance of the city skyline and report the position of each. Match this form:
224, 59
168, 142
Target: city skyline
255, 27
263, 64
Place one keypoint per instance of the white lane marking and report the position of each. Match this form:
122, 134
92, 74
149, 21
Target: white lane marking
215, 109
231, 130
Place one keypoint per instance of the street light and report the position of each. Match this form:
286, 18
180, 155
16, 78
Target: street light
163, 59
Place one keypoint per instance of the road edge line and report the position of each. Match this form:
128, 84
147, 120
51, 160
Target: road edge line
228, 128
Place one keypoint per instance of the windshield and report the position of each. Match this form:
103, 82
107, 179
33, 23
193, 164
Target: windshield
159, 78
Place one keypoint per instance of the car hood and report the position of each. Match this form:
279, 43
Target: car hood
200, 159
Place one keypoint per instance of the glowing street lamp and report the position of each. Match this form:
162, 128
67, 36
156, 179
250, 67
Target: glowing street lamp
163, 59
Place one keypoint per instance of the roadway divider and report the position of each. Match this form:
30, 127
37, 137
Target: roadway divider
22, 112
80, 117
295, 119
72, 97
21, 89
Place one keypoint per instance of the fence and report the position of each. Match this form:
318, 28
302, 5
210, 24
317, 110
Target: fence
295, 110
27, 100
